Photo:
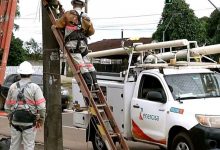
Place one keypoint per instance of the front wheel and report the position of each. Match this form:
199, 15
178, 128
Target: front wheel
182, 141
97, 142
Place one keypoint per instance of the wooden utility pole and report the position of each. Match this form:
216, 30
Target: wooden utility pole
86, 6
53, 139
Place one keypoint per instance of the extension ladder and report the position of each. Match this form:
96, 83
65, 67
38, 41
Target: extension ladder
94, 99
7, 15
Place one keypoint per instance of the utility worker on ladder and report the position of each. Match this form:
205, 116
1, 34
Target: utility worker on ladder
78, 27
25, 104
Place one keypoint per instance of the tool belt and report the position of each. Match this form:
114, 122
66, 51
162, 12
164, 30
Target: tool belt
22, 128
76, 35
84, 53
23, 116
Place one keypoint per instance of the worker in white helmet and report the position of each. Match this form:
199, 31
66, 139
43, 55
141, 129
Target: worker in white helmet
25, 104
78, 27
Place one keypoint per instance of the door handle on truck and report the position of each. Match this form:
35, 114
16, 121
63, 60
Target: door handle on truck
161, 109
136, 106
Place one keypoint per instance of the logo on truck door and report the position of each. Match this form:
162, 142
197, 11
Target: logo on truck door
144, 116
176, 110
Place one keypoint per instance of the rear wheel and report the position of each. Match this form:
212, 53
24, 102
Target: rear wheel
1, 103
182, 141
97, 142
162, 148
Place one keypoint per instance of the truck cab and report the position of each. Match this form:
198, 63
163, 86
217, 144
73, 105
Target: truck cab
177, 107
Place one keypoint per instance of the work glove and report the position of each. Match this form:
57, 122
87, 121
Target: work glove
39, 122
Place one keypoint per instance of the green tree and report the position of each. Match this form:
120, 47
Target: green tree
213, 31
34, 50
178, 21
213, 27
17, 53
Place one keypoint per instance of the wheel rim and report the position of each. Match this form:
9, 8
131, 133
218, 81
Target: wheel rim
182, 146
99, 142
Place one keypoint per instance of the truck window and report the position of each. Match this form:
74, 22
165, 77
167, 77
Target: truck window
150, 84
194, 85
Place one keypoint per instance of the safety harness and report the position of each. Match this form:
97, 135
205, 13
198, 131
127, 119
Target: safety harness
22, 115
75, 27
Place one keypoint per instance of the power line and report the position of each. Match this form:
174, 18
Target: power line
136, 16
120, 17
125, 17
135, 29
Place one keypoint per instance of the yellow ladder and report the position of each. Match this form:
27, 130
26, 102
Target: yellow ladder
95, 100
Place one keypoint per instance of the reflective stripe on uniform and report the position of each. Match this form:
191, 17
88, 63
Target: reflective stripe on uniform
81, 65
74, 28
39, 101
31, 102
89, 65
10, 102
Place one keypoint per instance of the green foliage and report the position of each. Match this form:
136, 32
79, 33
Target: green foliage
179, 22
168, 1
34, 50
213, 27
16, 54
17, 14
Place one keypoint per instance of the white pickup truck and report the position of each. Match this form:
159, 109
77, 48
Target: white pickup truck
160, 100
176, 108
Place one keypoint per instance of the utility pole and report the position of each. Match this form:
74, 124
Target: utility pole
86, 6
53, 137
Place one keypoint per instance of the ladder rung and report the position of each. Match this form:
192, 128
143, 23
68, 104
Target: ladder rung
114, 135
101, 105
94, 91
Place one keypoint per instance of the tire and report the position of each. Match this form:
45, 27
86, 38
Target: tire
1, 103
182, 141
162, 148
97, 142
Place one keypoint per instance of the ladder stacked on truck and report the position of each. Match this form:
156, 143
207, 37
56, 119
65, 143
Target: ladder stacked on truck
101, 114
7, 15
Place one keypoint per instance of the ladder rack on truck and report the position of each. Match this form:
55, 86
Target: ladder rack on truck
7, 15
98, 117
153, 60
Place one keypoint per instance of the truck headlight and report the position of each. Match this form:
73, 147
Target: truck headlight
209, 120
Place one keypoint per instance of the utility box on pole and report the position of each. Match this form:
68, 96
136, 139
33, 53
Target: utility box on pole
53, 137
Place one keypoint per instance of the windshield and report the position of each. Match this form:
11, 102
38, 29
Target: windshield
194, 85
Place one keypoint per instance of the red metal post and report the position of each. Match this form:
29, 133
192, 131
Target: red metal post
7, 28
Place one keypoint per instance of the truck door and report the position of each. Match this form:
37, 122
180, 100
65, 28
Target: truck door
148, 111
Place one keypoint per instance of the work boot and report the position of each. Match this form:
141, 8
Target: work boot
88, 79
95, 83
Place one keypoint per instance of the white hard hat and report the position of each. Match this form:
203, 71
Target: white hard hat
25, 68
82, 2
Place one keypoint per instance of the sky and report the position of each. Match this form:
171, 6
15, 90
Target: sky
137, 18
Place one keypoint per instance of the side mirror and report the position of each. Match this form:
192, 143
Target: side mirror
155, 96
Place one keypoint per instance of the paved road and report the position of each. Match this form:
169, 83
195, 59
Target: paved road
73, 138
